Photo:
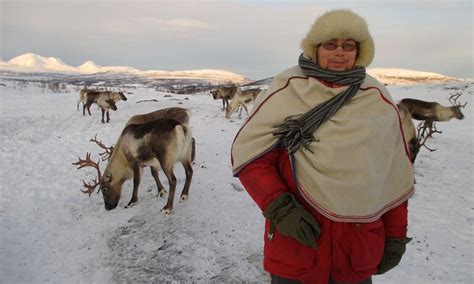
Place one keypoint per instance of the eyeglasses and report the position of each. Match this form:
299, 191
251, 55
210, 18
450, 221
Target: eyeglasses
346, 46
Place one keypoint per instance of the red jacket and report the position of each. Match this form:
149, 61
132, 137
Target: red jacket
347, 252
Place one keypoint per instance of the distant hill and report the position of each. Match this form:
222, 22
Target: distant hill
33, 63
392, 76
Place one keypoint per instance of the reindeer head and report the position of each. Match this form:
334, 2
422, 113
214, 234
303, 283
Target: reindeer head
111, 104
111, 190
122, 96
456, 106
214, 94
115, 174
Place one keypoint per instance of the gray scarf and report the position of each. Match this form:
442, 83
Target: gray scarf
297, 130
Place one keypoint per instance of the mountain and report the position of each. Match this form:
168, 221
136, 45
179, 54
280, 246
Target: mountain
89, 67
36, 63
32, 63
392, 76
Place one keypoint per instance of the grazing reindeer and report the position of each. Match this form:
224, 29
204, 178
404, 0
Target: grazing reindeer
144, 142
224, 93
240, 99
433, 111
116, 96
104, 99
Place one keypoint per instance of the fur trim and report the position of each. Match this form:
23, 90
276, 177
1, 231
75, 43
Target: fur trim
340, 24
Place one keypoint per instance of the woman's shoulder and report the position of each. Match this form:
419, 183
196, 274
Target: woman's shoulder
371, 82
281, 79
291, 72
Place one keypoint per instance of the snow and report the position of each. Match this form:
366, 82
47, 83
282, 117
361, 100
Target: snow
399, 76
38, 63
51, 232
30, 62
89, 67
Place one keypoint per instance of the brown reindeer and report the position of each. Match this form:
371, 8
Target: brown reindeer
116, 96
156, 143
104, 99
224, 93
433, 111
240, 99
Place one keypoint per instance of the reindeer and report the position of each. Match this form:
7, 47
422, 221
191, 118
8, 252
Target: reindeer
240, 99
224, 93
145, 142
116, 96
433, 111
104, 99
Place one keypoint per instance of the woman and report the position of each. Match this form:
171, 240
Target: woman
323, 156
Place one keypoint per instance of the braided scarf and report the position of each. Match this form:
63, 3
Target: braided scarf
297, 130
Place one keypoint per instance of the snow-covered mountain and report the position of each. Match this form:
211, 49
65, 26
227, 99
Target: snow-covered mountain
35, 63
393, 76
32, 63
89, 67
29, 62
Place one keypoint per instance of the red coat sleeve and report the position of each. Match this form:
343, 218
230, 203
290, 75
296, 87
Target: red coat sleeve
395, 221
262, 179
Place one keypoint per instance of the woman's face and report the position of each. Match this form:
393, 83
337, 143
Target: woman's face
337, 54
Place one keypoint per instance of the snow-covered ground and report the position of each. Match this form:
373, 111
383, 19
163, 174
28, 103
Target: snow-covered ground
51, 232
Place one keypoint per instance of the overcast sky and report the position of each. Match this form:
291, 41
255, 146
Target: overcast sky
257, 39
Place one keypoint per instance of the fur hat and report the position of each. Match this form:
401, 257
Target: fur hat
340, 24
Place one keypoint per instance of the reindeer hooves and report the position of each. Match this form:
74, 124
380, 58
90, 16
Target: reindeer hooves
130, 204
166, 211
183, 198
161, 194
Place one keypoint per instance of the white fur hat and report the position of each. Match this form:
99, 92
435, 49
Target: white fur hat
340, 24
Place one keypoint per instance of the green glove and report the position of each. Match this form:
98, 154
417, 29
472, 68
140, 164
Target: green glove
393, 252
292, 220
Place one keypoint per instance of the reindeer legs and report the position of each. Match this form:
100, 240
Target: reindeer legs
189, 175
84, 107
246, 110
161, 188
137, 172
168, 170
225, 103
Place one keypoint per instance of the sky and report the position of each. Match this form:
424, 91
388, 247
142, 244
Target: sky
257, 39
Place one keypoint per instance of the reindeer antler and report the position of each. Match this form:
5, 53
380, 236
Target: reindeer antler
107, 150
425, 130
89, 163
453, 99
